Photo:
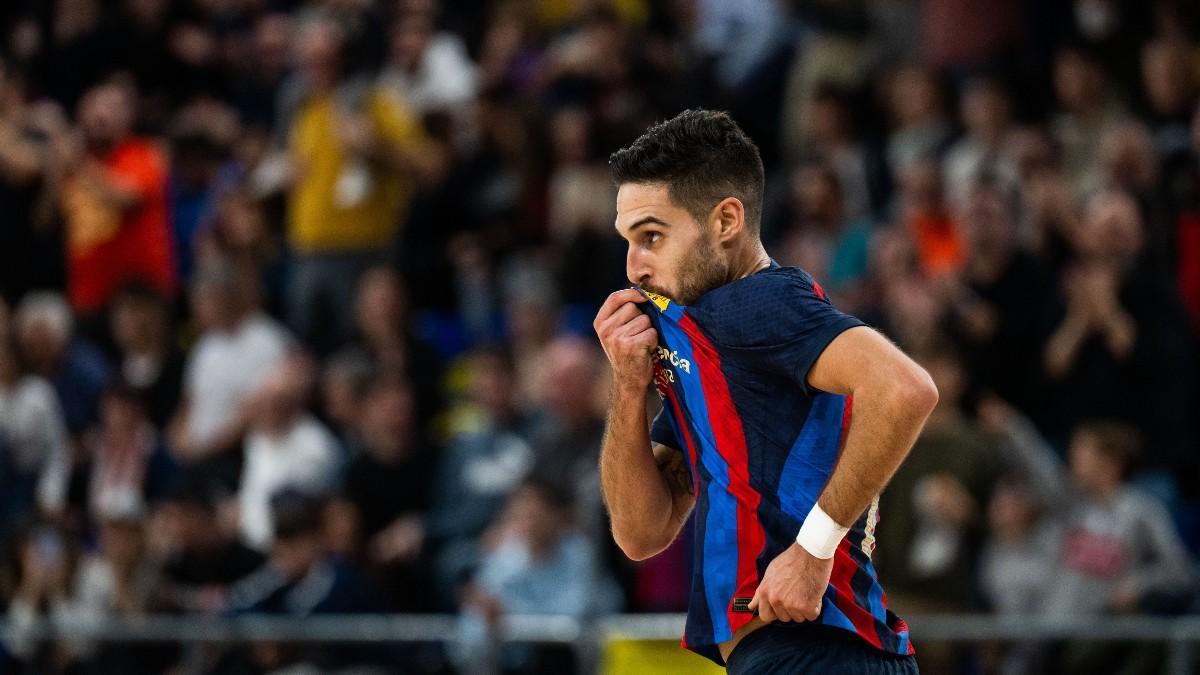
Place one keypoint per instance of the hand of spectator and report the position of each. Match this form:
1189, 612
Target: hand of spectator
792, 587
1126, 598
995, 414
356, 133
487, 604
400, 541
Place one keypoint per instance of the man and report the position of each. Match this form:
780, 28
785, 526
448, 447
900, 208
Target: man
114, 202
757, 371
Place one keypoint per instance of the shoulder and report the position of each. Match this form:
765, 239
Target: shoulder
765, 309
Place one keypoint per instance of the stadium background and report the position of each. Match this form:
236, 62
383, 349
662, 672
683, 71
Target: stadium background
297, 300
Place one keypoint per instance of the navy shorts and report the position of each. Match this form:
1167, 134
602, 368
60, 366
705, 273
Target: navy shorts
796, 648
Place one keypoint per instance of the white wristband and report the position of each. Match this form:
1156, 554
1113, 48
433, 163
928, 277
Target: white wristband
820, 535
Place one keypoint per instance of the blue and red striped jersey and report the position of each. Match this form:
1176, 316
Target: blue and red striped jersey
731, 370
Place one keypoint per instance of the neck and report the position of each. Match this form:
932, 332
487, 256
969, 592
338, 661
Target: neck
752, 259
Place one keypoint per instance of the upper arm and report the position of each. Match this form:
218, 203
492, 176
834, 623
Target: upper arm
861, 357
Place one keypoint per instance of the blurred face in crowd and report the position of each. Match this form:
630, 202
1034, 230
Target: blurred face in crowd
534, 518
281, 398
986, 221
914, 97
669, 252
272, 44
1095, 471
985, 109
410, 39
380, 305
105, 116
571, 372
492, 384
1167, 76
1078, 82
42, 344
1128, 155
816, 195
317, 49
137, 323
387, 421
569, 130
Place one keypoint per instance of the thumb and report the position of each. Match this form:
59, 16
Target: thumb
753, 606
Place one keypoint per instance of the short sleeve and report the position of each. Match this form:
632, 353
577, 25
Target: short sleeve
663, 432
812, 323
781, 324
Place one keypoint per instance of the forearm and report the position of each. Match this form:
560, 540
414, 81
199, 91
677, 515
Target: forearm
1063, 346
635, 491
886, 422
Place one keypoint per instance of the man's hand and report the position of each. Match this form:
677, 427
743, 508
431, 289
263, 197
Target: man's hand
627, 337
792, 587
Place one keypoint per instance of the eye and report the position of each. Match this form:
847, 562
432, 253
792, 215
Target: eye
652, 237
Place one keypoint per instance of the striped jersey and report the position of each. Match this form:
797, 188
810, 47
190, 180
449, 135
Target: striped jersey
731, 371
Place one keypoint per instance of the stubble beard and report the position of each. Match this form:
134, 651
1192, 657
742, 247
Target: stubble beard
699, 272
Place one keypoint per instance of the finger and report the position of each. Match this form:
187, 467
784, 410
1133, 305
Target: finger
754, 601
765, 611
646, 339
616, 300
635, 326
623, 315
782, 613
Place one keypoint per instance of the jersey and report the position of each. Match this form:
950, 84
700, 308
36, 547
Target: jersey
731, 370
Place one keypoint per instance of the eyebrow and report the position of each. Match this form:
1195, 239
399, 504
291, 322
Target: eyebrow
646, 221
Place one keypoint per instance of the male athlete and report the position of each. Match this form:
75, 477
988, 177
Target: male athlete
782, 419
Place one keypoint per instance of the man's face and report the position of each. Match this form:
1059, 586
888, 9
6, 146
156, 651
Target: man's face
669, 252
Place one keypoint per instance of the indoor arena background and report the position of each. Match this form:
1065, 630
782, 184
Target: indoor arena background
296, 363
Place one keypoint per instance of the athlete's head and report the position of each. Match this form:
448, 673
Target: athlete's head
689, 201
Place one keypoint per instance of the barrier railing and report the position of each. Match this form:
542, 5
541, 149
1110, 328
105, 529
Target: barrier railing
587, 637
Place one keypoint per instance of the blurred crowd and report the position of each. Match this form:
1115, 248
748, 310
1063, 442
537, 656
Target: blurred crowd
295, 304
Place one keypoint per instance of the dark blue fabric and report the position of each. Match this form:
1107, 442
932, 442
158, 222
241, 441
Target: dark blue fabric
801, 648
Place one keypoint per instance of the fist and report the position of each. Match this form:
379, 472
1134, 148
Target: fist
792, 587
627, 337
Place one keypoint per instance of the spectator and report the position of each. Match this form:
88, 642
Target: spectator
129, 466
983, 153
929, 220
238, 347
200, 562
350, 191
1085, 111
385, 494
479, 469
921, 130
45, 330
285, 448
149, 360
37, 455
537, 564
822, 239
300, 578
429, 69
114, 204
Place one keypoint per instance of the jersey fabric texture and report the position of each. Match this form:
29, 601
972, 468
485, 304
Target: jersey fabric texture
731, 371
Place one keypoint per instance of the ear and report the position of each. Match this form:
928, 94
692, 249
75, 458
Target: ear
729, 216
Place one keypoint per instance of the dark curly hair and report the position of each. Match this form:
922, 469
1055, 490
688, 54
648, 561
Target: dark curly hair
702, 157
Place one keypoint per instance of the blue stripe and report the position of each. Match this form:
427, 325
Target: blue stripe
875, 595
811, 459
903, 635
720, 528
831, 615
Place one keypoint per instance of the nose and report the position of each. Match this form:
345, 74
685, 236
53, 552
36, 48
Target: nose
636, 267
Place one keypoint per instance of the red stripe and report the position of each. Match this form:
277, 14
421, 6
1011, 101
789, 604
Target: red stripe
731, 445
818, 290
687, 439
844, 568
